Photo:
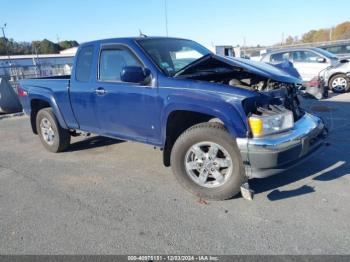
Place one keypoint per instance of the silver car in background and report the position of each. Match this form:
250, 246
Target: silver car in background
341, 50
313, 63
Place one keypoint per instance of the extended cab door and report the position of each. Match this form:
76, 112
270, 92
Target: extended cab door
82, 93
125, 110
309, 64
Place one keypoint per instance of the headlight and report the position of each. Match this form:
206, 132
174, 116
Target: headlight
270, 124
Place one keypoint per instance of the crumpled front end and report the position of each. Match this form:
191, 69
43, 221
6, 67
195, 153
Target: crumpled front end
266, 156
280, 133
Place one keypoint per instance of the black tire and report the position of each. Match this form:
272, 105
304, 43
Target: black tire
61, 139
339, 90
216, 133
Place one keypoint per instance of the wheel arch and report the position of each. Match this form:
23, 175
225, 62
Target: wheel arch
180, 119
38, 102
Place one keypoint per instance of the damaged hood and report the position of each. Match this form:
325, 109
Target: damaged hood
213, 61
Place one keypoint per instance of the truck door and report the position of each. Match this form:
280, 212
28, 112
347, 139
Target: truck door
125, 110
82, 94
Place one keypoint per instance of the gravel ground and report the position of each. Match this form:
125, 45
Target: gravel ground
110, 197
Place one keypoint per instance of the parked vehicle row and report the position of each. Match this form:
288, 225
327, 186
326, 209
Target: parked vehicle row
313, 63
219, 121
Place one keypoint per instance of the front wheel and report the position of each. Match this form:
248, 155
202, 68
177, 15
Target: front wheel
339, 83
206, 161
53, 137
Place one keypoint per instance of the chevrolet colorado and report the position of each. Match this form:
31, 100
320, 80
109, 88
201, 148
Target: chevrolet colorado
219, 121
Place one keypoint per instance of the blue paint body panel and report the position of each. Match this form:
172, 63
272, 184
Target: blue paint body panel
139, 113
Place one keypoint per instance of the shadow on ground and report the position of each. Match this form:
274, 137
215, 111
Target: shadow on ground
93, 142
324, 171
330, 163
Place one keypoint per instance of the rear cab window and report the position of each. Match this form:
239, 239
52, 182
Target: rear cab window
84, 64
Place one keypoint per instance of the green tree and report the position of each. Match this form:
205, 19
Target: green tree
67, 44
308, 37
23, 48
341, 31
46, 47
289, 40
41, 47
321, 35
3, 42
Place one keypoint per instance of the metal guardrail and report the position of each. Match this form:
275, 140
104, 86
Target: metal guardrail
17, 72
12, 73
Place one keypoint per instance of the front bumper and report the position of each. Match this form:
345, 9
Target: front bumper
274, 154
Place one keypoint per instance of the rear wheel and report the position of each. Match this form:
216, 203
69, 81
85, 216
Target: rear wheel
53, 137
206, 161
339, 83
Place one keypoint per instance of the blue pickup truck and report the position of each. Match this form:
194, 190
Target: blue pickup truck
219, 121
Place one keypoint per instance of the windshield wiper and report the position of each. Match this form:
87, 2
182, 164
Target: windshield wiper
193, 63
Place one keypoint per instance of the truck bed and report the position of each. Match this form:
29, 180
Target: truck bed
54, 83
57, 89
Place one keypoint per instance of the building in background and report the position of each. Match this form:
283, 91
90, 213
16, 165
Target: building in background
69, 51
225, 50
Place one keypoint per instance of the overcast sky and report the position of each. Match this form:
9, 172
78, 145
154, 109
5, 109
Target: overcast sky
207, 21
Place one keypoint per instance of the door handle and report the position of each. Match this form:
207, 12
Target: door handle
100, 91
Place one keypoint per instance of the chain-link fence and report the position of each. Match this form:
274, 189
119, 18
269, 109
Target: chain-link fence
18, 72
11, 72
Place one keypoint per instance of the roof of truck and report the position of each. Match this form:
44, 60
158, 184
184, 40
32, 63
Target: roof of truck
126, 39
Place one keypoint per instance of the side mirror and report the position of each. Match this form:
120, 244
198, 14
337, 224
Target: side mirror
135, 74
321, 60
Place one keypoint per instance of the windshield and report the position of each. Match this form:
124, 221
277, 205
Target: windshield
172, 55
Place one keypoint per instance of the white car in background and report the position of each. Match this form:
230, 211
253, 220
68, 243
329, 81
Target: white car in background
313, 62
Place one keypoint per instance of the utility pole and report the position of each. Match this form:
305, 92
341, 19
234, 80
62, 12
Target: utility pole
166, 17
6, 42
36, 63
244, 47
6, 47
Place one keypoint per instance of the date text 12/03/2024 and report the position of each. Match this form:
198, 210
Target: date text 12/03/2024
173, 258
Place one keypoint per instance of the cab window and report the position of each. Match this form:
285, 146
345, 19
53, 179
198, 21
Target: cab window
305, 57
112, 62
279, 57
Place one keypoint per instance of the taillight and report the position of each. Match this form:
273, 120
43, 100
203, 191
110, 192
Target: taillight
21, 92
314, 82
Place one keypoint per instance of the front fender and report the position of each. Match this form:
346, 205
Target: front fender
229, 111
